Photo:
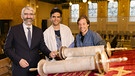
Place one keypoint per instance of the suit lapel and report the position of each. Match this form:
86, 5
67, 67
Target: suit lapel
23, 35
33, 35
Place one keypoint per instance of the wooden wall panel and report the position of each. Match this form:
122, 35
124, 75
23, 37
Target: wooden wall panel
6, 9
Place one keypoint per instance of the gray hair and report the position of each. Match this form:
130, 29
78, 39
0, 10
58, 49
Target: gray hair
27, 8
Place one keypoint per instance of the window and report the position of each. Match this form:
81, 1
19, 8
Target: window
92, 12
112, 11
132, 11
74, 12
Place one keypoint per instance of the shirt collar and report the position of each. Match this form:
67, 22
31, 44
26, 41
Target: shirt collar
25, 26
85, 34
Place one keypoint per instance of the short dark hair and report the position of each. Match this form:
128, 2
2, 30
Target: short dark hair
84, 17
55, 9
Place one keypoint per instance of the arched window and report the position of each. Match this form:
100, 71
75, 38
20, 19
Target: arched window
112, 11
92, 12
74, 12
132, 11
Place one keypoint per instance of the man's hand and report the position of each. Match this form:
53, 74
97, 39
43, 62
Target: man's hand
53, 54
23, 63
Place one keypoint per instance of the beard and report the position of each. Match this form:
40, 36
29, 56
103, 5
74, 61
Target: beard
28, 21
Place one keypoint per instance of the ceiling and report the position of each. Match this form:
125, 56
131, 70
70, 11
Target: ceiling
64, 1
54, 1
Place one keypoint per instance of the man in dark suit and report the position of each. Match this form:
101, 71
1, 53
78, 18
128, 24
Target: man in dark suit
23, 52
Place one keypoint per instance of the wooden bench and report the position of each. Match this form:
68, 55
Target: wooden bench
5, 67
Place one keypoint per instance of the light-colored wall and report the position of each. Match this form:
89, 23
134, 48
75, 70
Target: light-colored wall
43, 12
65, 16
6, 9
122, 24
11, 10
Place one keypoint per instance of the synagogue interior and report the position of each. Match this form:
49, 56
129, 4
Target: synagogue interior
109, 18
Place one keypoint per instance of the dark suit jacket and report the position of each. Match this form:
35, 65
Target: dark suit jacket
16, 48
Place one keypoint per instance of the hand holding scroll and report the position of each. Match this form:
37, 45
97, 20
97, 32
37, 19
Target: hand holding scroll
53, 54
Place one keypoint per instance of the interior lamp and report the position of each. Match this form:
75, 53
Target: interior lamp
89, 2
70, 3
84, 1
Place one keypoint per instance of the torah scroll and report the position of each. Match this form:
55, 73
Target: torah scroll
72, 64
69, 65
80, 51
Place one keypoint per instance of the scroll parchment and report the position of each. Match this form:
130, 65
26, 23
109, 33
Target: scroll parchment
69, 65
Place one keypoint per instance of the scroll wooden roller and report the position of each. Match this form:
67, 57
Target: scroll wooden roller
100, 61
109, 49
65, 52
86, 51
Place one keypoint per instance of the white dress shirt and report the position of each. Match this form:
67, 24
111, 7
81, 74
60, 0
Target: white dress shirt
26, 30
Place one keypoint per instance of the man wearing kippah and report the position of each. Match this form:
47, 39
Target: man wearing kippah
58, 34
